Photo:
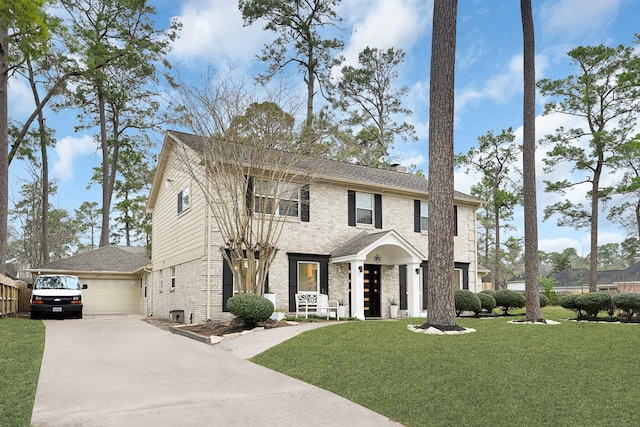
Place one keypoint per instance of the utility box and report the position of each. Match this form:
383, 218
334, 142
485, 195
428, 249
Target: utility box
176, 316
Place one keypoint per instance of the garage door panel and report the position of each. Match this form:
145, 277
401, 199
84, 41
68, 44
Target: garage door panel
113, 297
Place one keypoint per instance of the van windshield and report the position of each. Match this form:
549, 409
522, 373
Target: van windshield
57, 282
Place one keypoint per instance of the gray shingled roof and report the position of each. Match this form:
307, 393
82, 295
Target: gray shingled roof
631, 274
347, 172
580, 276
357, 243
113, 259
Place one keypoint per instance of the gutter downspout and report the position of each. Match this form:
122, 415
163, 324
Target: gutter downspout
208, 240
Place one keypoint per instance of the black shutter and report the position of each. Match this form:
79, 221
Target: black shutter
293, 283
377, 201
351, 205
455, 220
324, 277
403, 286
180, 202
417, 224
249, 193
304, 203
227, 284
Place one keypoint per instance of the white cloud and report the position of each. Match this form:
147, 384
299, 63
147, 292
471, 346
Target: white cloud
383, 24
68, 149
213, 31
21, 103
559, 244
574, 18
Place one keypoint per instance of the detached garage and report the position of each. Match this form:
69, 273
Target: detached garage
114, 276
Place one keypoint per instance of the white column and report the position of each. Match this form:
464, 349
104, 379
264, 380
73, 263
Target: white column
413, 290
357, 289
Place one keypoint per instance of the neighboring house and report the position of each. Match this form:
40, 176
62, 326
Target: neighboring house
628, 280
360, 235
115, 276
576, 280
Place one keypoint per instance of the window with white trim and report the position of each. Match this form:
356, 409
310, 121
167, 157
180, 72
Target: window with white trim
424, 216
184, 200
457, 279
308, 277
364, 208
173, 277
279, 198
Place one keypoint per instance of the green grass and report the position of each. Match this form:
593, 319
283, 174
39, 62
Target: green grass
21, 348
569, 374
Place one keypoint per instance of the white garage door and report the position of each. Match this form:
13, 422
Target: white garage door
111, 297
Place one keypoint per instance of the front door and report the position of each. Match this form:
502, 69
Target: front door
371, 290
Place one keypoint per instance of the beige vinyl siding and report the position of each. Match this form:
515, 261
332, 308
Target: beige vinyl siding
177, 237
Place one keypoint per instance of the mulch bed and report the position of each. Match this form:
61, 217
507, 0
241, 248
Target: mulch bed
233, 326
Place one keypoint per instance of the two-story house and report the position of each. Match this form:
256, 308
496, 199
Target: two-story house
359, 235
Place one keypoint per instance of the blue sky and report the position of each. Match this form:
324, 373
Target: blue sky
488, 78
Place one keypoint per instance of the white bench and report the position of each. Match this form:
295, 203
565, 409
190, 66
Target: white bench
317, 303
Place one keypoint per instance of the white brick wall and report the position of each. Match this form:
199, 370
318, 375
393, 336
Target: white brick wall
327, 230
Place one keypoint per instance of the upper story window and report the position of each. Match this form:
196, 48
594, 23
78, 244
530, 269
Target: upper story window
364, 208
277, 198
424, 216
184, 200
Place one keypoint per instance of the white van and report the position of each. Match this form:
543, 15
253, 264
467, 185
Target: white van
56, 294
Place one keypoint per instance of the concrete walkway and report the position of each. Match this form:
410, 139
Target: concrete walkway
122, 371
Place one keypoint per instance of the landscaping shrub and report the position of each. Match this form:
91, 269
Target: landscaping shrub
593, 303
488, 292
544, 301
628, 303
487, 302
466, 300
251, 308
507, 299
569, 302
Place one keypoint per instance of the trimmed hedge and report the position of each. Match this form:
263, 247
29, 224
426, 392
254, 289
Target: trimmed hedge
466, 300
506, 299
252, 308
588, 305
593, 303
628, 304
544, 301
488, 303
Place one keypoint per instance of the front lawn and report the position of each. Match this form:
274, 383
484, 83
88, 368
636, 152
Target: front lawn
21, 348
502, 375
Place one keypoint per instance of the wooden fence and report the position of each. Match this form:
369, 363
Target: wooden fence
9, 296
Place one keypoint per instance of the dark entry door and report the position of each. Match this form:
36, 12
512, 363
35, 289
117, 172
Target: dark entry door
371, 290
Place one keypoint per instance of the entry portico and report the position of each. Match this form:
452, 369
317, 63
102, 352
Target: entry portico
374, 249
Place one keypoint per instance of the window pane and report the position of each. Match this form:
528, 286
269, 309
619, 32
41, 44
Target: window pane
424, 216
364, 216
457, 279
364, 201
307, 277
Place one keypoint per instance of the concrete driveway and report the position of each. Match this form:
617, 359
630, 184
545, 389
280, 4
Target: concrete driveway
122, 371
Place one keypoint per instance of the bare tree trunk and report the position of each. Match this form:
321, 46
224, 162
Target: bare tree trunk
441, 306
593, 256
44, 245
531, 266
4, 142
496, 255
106, 197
